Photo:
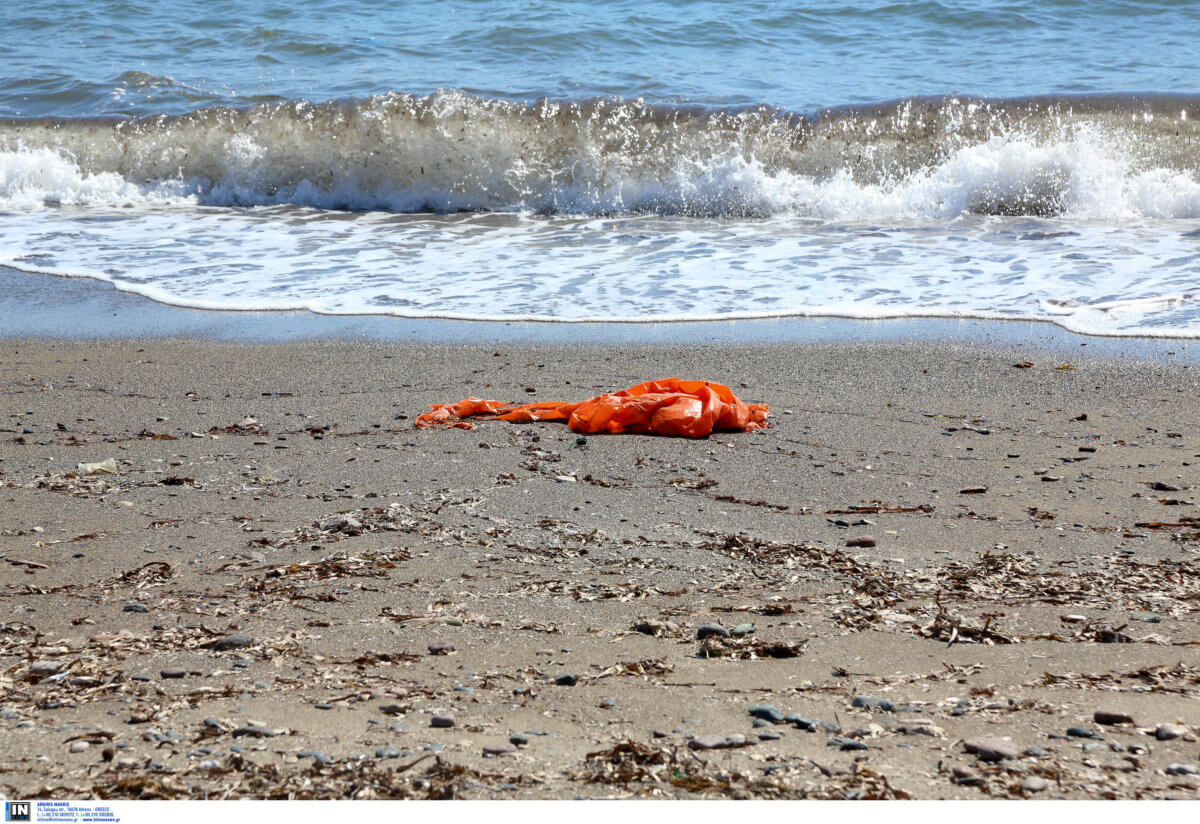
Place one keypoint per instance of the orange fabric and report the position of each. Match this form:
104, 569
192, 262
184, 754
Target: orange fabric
688, 409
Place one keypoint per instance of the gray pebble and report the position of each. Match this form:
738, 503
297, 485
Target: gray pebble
1182, 769
767, 712
992, 749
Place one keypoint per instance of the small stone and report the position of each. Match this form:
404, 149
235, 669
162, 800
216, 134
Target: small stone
173, 672
79, 746
711, 630
769, 736
84, 681
867, 702
1182, 769
607, 703
707, 742
518, 740
864, 541
846, 744
800, 722
1034, 784
494, 750
323, 706
1169, 732
393, 709
992, 749
238, 640
742, 630
1111, 717
924, 728
442, 720
767, 712
966, 776
566, 680
1082, 732
387, 752
1145, 617
440, 648
253, 731
135, 608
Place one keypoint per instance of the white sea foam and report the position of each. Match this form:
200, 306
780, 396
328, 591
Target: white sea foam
613, 211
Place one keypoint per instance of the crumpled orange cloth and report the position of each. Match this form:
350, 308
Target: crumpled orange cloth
687, 409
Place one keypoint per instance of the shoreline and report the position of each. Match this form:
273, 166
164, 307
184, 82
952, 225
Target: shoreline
37, 306
284, 584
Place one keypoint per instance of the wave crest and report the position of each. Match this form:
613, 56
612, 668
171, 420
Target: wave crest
1104, 158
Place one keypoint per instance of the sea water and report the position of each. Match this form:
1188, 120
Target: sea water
635, 161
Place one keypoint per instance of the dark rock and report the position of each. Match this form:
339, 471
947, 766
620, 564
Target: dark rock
767, 712
440, 648
253, 731
393, 709
1182, 769
769, 736
864, 541
742, 630
566, 680
846, 744
173, 672
238, 640
1111, 717
1169, 732
867, 702
710, 631
387, 752
518, 740
966, 777
992, 749
442, 720
800, 722
1082, 732
135, 608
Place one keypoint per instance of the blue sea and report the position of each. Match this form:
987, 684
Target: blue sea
642, 161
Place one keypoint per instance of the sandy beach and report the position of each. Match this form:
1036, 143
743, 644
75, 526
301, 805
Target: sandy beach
946, 571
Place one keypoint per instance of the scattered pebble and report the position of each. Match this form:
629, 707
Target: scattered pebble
992, 749
1112, 717
442, 720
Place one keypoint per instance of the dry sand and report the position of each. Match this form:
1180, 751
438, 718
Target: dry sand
284, 582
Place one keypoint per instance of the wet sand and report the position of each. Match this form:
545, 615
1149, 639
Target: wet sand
284, 583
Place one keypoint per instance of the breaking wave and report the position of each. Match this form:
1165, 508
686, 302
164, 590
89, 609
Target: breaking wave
1098, 157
